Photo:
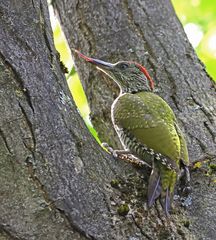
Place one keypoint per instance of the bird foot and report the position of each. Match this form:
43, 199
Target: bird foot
115, 153
184, 188
184, 181
126, 156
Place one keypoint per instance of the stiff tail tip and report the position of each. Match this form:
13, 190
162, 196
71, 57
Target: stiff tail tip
155, 192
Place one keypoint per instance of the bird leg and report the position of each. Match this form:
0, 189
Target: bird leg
126, 156
184, 188
184, 179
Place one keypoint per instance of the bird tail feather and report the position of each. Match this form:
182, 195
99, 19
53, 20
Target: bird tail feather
154, 187
166, 202
155, 191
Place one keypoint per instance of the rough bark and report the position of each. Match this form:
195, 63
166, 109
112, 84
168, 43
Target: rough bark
55, 179
150, 33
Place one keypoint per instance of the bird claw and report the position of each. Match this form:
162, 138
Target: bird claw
125, 155
184, 181
184, 201
110, 149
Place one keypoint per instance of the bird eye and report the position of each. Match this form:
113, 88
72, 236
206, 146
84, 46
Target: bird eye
123, 66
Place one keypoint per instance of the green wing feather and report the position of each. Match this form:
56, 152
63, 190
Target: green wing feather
151, 121
184, 151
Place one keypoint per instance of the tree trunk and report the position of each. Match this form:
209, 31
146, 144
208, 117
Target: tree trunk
150, 33
54, 177
147, 32
56, 182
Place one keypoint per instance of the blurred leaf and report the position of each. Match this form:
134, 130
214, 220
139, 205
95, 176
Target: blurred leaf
202, 14
71, 73
78, 94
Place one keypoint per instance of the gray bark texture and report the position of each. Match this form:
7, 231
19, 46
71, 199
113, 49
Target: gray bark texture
55, 180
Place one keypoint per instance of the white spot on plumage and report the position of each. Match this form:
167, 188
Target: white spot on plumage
151, 151
125, 109
169, 166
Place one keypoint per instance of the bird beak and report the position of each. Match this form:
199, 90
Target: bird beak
97, 62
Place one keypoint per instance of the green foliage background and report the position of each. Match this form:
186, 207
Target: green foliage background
202, 13
199, 20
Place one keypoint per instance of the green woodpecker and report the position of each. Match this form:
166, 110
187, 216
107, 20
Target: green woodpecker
147, 128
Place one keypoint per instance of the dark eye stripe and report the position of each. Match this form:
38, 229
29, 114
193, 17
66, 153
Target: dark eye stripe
123, 65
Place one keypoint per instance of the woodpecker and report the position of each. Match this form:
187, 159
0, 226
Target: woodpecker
147, 128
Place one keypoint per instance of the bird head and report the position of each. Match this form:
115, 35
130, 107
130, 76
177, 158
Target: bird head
131, 77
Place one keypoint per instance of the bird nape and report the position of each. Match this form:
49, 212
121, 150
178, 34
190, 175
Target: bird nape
148, 129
